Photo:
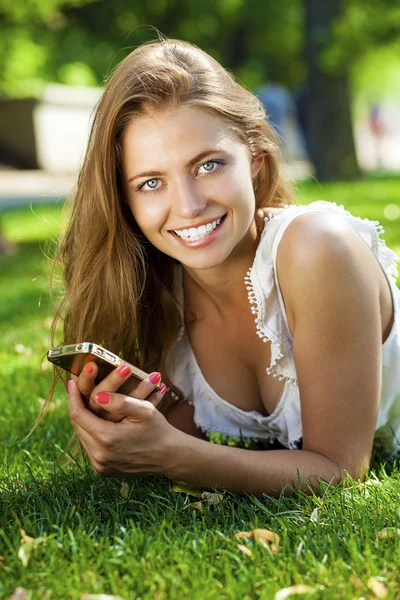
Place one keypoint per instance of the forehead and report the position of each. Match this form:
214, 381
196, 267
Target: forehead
178, 132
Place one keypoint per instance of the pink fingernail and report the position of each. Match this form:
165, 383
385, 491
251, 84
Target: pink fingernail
89, 369
154, 378
163, 387
71, 384
124, 370
103, 398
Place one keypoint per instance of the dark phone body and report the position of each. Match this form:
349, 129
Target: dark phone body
73, 358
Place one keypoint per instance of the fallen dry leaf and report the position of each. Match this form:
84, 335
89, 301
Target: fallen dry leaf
265, 537
377, 587
243, 534
246, 550
124, 489
388, 532
196, 505
314, 515
212, 498
20, 594
186, 488
29, 544
294, 589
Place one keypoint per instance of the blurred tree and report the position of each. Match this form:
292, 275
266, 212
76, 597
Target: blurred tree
80, 41
361, 26
330, 127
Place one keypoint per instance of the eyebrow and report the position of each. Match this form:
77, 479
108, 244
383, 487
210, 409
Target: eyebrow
191, 162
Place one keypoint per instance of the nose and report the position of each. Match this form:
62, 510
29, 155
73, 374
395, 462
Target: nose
188, 202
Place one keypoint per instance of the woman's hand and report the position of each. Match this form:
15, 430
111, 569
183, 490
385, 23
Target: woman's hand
111, 383
143, 442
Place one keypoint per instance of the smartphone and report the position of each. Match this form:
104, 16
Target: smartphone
73, 358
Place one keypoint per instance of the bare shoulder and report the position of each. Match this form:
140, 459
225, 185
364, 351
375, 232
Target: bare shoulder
320, 251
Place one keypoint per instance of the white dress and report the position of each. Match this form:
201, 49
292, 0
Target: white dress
214, 414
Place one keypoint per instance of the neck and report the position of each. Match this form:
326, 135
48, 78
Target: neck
221, 287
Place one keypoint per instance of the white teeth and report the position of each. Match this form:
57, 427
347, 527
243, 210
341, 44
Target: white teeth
197, 233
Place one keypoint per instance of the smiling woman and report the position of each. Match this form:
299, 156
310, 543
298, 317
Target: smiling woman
282, 329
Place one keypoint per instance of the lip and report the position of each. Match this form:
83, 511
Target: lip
203, 242
205, 222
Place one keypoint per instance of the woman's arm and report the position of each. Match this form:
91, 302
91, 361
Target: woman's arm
248, 471
181, 416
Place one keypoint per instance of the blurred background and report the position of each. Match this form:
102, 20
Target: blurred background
327, 71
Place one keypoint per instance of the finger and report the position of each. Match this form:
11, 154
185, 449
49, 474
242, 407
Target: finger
136, 408
110, 383
145, 387
81, 416
119, 376
86, 382
156, 397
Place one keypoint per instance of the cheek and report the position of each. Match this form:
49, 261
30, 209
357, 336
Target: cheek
148, 214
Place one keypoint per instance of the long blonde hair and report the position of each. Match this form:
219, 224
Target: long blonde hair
118, 287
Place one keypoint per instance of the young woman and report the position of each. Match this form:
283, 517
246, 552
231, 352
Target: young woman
284, 330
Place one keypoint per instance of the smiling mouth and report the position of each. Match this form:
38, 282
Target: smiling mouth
195, 234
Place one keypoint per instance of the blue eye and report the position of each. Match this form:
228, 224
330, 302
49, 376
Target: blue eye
212, 165
151, 184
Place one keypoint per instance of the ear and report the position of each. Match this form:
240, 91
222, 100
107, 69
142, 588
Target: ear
256, 165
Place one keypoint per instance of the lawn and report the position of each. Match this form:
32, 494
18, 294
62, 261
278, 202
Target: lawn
66, 534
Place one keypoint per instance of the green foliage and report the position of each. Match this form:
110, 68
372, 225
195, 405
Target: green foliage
363, 26
78, 42
51, 41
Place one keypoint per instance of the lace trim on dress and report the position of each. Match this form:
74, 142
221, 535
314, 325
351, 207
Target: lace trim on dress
256, 300
257, 308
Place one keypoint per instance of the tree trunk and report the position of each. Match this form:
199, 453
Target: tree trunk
331, 134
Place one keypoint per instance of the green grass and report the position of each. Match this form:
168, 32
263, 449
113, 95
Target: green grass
150, 544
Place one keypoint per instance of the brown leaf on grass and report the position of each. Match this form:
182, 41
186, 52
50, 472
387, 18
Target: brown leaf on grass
19, 594
212, 498
124, 489
26, 538
292, 590
29, 544
314, 515
243, 534
265, 537
389, 532
246, 550
377, 587
196, 505
186, 488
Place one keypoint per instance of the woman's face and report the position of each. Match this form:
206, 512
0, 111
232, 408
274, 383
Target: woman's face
188, 182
